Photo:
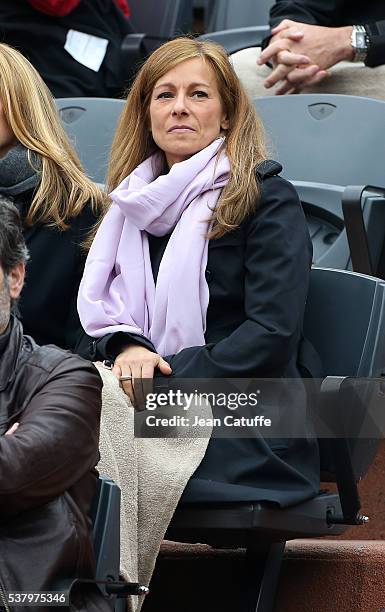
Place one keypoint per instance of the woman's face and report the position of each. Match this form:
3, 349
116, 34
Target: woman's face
186, 110
7, 137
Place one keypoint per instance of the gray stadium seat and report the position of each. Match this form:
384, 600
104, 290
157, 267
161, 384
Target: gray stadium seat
162, 18
328, 138
155, 22
105, 516
229, 14
334, 140
333, 229
106, 531
234, 40
351, 343
91, 123
106, 536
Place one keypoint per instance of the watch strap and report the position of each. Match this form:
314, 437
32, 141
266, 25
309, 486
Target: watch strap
360, 43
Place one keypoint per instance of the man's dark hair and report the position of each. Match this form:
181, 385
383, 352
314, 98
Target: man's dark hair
12, 244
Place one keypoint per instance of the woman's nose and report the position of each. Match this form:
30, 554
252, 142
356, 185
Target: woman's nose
180, 105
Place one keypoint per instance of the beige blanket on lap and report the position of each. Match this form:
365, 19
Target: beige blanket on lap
349, 78
151, 473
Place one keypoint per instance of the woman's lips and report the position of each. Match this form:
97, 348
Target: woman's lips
181, 129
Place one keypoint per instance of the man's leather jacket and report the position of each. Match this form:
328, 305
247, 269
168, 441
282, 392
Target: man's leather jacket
47, 475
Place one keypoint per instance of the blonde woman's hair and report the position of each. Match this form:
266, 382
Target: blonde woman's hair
245, 139
31, 113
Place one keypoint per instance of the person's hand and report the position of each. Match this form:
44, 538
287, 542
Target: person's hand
302, 53
12, 429
138, 364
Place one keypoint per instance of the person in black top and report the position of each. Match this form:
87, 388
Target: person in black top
77, 50
41, 173
200, 267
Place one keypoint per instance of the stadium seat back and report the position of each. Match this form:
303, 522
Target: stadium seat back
90, 124
164, 18
228, 14
345, 321
322, 204
235, 39
328, 138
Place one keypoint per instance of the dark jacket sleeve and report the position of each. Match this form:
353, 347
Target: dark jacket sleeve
315, 12
57, 439
277, 264
376, 53
109, 346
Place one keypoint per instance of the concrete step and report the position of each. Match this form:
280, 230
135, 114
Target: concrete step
332, 575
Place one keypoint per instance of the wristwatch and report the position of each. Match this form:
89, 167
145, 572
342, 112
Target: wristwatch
360, 43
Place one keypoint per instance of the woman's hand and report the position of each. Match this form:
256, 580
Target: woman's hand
138, 364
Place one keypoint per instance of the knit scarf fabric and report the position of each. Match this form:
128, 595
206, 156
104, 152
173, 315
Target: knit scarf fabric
17, 175
117, 292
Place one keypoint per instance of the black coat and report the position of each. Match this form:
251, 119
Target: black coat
48, 301
336, 13
41, 38
258, 277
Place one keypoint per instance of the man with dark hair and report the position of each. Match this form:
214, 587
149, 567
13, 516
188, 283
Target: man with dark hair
50, 402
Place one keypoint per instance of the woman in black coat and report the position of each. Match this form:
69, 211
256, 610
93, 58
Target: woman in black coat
163, 293
59, 205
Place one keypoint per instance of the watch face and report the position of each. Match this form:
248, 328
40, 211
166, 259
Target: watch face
361, 40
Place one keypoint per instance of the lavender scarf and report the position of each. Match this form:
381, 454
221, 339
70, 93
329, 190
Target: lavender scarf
117, 292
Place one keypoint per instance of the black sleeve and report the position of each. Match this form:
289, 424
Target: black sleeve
316, 12
109, 346
376, 53
277, 263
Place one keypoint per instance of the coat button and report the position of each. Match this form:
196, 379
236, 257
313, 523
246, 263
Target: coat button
208, 275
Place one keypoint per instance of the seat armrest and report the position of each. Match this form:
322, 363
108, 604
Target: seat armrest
239, 38
350, 416
133, 52
355, 226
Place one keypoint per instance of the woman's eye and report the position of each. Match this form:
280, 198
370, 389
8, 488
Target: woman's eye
164, 94
200, 94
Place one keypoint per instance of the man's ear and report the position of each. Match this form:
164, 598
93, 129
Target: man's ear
16, 280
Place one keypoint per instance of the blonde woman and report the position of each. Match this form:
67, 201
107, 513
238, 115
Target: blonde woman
41, 173
200, 268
